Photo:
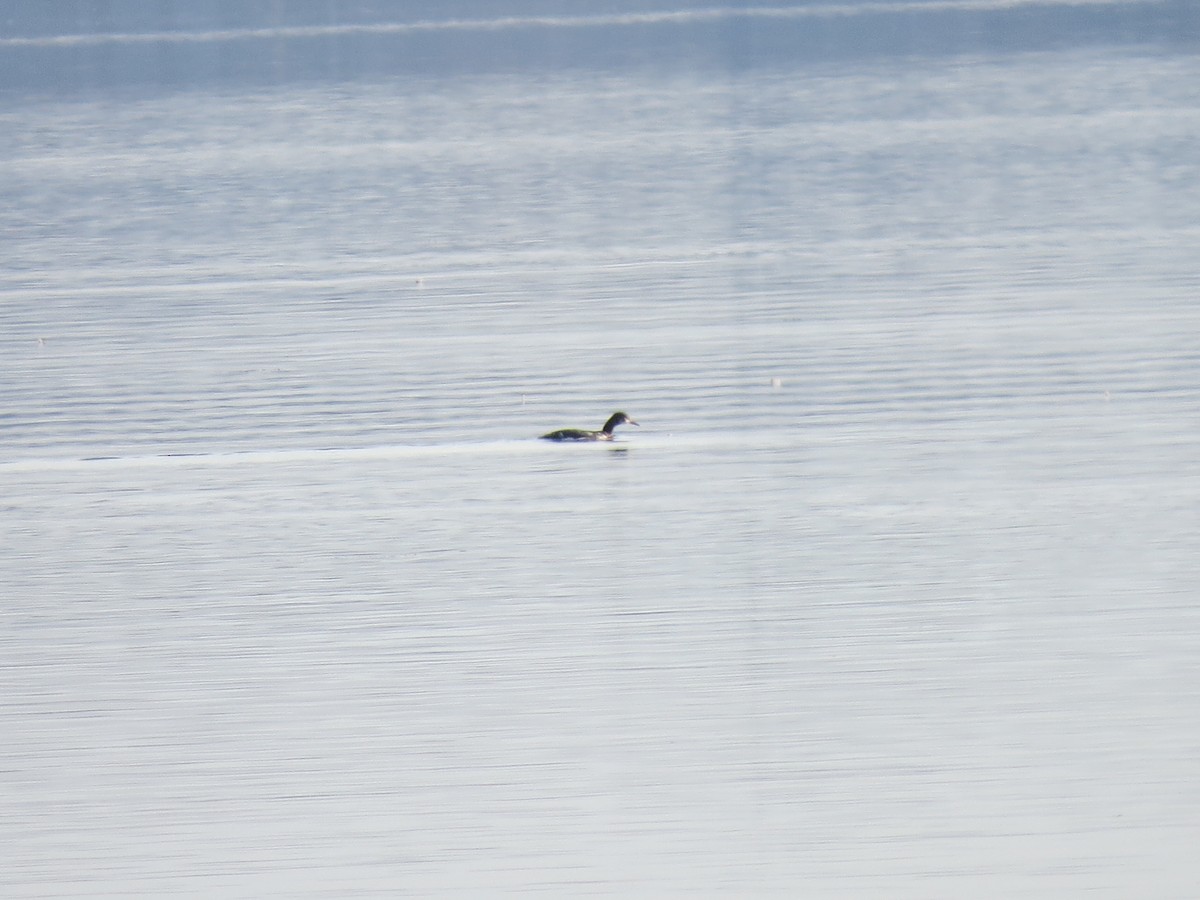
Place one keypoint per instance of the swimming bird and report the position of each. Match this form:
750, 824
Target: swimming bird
578, 434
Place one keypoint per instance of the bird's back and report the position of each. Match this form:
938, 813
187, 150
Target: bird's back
574, 434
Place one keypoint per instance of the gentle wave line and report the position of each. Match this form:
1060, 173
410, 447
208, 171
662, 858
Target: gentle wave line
666, 17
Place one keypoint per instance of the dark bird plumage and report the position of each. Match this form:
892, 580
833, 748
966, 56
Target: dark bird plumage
578, 434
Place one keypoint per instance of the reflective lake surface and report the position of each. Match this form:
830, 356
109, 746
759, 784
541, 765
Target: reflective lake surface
892, 594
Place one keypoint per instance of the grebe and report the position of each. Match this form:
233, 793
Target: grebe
578, 434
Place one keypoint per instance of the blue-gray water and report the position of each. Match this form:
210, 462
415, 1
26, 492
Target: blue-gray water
893, 594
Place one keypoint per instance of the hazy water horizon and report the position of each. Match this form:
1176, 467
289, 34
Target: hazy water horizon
892, 594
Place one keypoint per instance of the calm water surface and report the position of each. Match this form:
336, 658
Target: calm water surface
893, 594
